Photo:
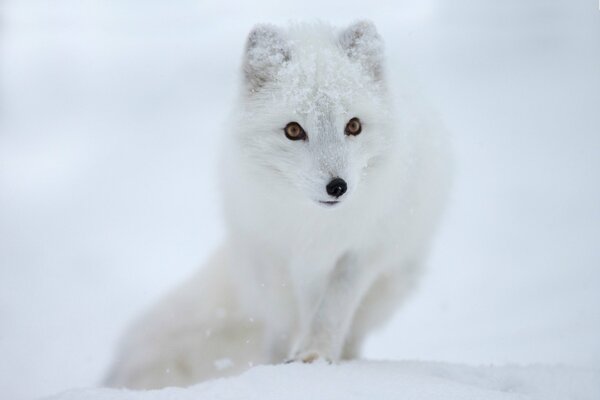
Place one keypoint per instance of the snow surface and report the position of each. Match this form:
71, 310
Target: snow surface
377, 380
110, 122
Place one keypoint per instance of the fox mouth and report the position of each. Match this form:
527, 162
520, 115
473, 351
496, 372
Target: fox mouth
329, 203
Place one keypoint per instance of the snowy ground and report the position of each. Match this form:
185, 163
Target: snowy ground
377, 380
110, 120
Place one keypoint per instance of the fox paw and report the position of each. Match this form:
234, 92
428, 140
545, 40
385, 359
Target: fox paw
308, 357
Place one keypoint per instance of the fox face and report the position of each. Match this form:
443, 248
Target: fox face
315, 108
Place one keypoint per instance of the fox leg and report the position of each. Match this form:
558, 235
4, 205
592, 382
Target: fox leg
328, 317
382, 299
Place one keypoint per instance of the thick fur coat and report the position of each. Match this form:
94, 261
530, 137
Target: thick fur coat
308, 269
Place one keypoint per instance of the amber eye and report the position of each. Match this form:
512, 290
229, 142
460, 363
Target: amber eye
353, 127
294, 131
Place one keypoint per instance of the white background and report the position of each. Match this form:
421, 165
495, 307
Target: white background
110, 120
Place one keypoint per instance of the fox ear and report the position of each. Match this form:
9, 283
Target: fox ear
266, 52
362, 44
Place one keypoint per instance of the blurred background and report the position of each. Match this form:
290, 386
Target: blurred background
111, 114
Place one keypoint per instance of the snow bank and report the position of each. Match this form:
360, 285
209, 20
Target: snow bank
377, 380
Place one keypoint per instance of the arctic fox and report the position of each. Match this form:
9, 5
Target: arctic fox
331, 199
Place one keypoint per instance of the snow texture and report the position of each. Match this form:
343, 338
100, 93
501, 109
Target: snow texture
377, 380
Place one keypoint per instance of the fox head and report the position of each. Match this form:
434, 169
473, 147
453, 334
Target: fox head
315, 108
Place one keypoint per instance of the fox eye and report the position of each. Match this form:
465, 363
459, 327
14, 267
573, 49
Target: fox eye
353, 127
294, 131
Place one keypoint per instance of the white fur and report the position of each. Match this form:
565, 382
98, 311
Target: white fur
296, 279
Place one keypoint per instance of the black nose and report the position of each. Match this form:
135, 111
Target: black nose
336, 187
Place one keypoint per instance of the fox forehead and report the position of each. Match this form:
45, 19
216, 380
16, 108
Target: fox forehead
322, 93
321, 80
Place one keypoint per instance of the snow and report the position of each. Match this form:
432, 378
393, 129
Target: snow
377, 380
110, 118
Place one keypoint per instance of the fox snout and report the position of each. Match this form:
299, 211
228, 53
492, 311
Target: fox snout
335, 189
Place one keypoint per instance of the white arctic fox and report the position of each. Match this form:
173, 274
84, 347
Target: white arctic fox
330, 199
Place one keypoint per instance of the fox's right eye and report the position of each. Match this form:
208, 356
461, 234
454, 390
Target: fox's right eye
294, 131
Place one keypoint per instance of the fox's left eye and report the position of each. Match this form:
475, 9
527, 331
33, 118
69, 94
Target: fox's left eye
294, 131
353, 127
